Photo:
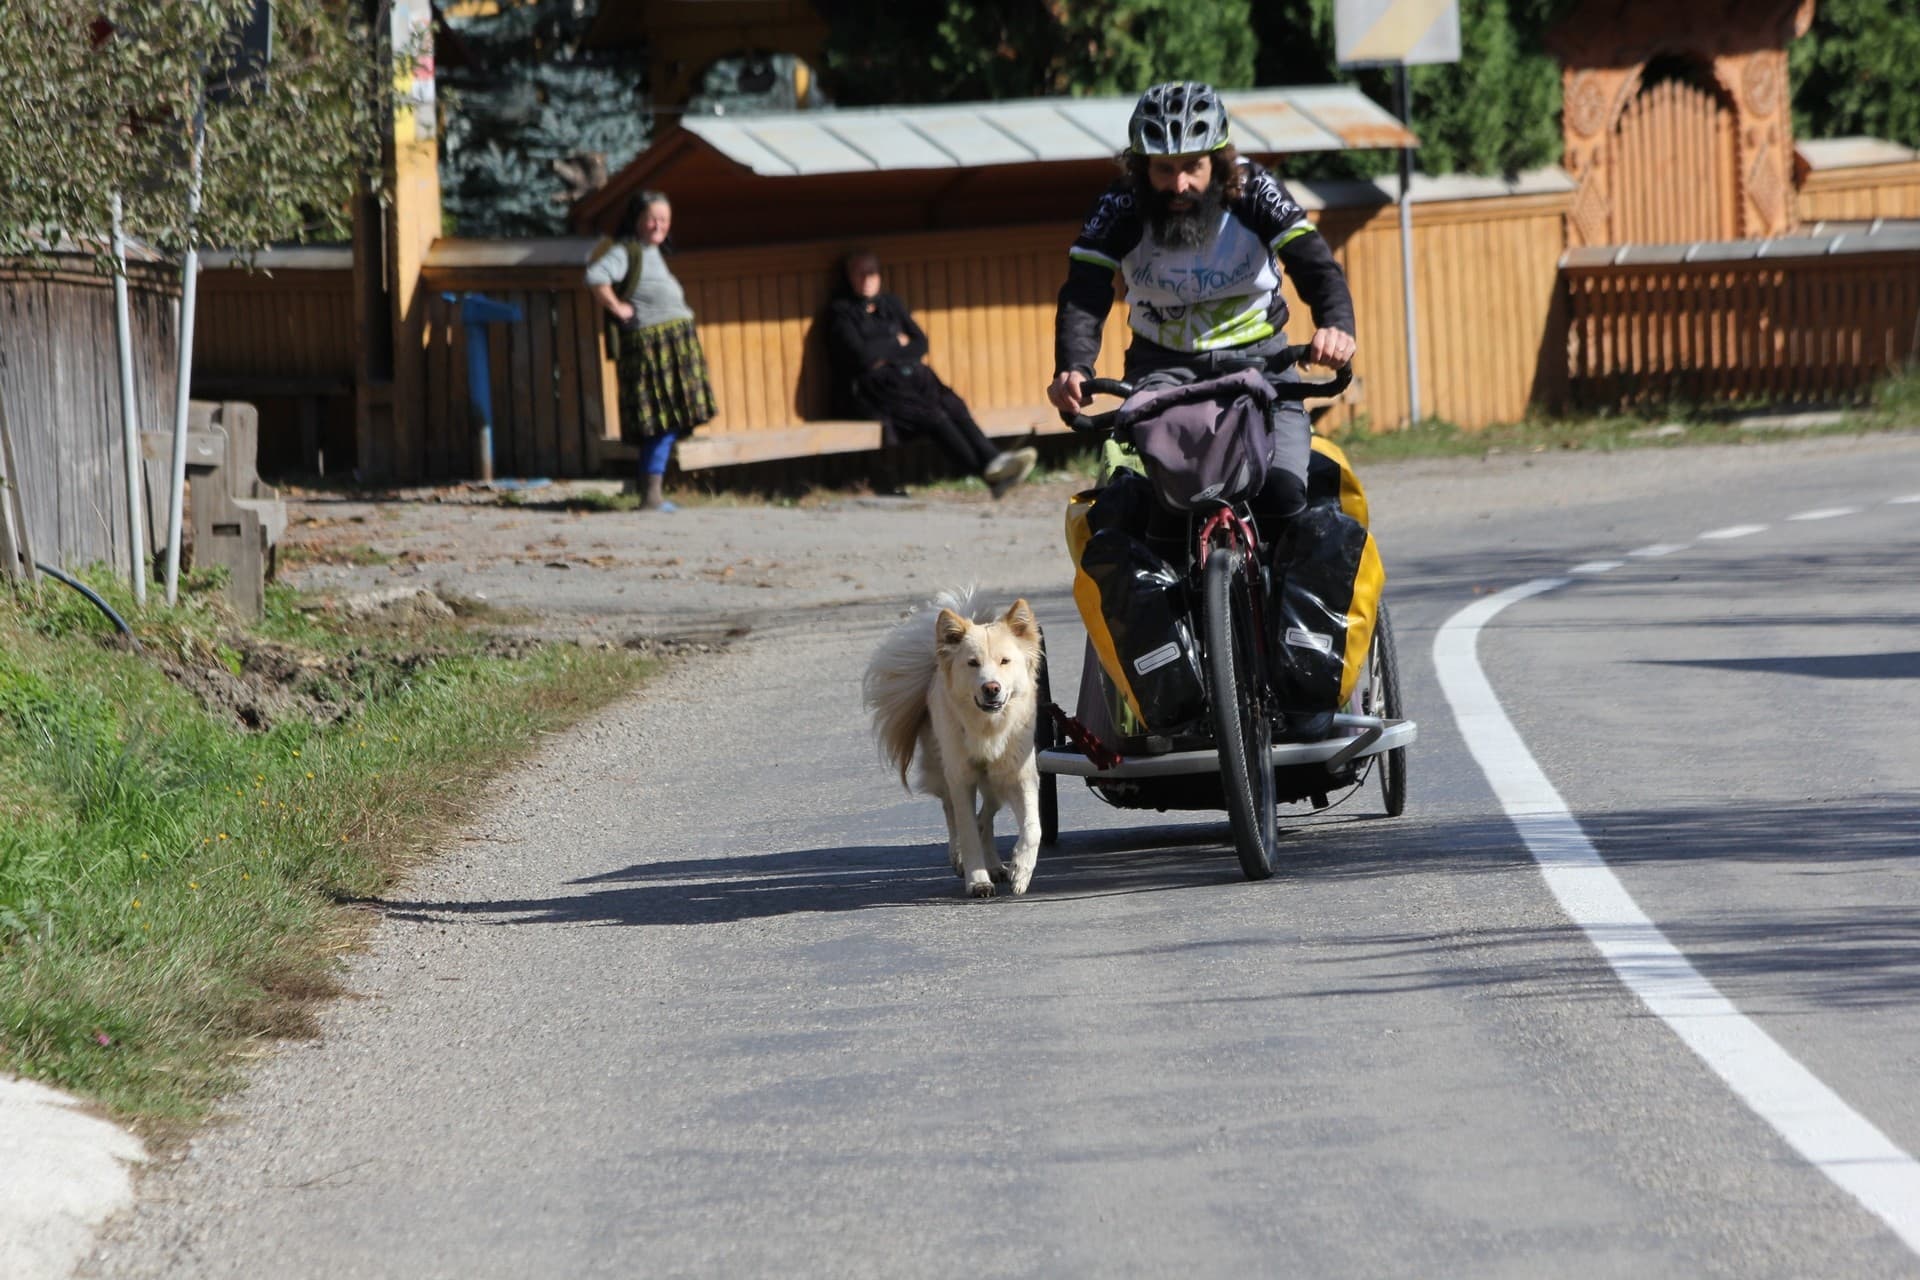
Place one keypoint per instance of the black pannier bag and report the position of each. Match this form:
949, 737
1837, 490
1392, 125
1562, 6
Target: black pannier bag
1320, 619
1143, 603
1134, 606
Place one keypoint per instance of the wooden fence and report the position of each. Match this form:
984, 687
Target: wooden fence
1809, 327
60, 376
551, 386
1859, 193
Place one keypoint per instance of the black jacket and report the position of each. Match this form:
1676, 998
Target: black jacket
1116, 227
858, 339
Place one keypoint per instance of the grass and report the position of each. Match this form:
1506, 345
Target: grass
1894, 404
175, 888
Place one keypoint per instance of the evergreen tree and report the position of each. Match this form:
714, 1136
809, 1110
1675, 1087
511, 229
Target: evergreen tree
968, 50
532, 118
1858, 71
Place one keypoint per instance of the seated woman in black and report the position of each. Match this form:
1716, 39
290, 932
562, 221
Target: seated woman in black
878, 357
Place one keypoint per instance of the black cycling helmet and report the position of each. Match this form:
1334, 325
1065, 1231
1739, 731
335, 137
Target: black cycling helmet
1180, 118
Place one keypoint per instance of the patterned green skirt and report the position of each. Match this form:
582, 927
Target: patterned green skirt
663, 381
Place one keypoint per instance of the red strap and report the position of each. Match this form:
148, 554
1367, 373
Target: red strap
1090, 746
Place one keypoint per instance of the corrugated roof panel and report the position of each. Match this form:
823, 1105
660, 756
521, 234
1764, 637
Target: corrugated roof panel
1104, 118
736, 144
882, 139
1351, 116
1266, 124
966, 137
1031, 131
806, 146
1048, 132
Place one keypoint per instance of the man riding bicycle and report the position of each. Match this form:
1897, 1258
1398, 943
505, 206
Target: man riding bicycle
1200, 235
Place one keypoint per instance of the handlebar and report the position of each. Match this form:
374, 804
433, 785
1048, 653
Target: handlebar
1279, 361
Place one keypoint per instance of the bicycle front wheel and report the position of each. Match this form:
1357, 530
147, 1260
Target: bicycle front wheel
1241, 730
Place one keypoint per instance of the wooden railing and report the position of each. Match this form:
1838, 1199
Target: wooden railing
1807, 329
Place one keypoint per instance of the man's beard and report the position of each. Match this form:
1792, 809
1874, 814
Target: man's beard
1185, 228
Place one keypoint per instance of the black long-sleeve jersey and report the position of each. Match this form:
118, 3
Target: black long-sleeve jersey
1223, 293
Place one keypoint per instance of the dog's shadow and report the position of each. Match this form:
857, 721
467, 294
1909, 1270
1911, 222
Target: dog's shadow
701, 891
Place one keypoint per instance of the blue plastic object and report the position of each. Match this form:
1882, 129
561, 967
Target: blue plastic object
477, 311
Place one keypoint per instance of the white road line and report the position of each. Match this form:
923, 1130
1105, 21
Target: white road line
1657, 550
1906, 501
1735, 531
1597, 566
1825, 513
1815, 1121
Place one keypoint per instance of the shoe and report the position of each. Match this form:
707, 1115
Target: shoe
1306, 726
1009, 469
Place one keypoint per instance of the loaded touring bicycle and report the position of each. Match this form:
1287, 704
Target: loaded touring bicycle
1210, 680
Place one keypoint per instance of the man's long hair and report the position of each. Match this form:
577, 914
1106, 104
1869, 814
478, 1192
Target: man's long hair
1227, 174
1188, 229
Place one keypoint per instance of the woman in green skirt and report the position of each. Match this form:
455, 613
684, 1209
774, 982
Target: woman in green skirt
664, 390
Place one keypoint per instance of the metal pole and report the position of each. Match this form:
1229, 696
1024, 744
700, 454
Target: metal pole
189, 282
129, 416
1406, 252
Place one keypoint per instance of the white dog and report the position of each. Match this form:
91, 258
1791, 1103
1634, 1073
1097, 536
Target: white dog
963, 690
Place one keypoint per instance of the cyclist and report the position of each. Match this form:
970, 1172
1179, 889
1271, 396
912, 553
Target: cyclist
1195, 232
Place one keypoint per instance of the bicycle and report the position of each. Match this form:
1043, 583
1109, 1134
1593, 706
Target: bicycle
1217, 763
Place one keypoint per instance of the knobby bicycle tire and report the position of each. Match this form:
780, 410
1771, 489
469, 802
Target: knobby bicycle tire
1241, 731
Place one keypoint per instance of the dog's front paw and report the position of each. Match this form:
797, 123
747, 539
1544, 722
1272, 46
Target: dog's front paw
999, 874
1022, 877
979, 885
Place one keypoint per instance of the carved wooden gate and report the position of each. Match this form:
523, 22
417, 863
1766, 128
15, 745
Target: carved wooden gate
1675, 161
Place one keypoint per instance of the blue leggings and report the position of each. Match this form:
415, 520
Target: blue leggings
655, 453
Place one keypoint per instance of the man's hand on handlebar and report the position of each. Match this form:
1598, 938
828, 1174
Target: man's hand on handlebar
1332, 348
1068, 391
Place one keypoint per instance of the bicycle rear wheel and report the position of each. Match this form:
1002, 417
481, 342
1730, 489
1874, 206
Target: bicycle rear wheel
1241, 730
1393, 764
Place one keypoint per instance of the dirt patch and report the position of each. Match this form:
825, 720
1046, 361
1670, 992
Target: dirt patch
261, 683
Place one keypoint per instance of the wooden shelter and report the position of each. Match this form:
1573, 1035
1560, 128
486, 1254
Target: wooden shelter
806, 175
1678, 118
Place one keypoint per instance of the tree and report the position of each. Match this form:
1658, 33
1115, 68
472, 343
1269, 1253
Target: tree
1497, 110
100, 96
990, 49
533, 119
1858, 71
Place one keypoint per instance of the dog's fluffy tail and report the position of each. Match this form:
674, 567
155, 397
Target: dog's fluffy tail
898, 677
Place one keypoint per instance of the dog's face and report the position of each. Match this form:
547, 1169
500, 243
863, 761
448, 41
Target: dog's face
990, 664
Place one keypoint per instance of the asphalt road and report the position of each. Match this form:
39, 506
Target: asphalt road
699, 996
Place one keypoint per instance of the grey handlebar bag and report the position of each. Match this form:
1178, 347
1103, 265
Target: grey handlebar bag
1205, 441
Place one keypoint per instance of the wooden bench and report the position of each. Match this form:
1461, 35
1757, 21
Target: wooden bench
700, 451
237, 519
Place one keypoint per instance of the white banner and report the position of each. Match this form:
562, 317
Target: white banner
1376, 33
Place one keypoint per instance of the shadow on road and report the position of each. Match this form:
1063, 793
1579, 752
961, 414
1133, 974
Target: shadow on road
1799, 944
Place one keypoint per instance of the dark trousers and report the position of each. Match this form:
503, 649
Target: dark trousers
917, 404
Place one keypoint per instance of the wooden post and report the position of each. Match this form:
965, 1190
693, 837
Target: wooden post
390, 245
16, 554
